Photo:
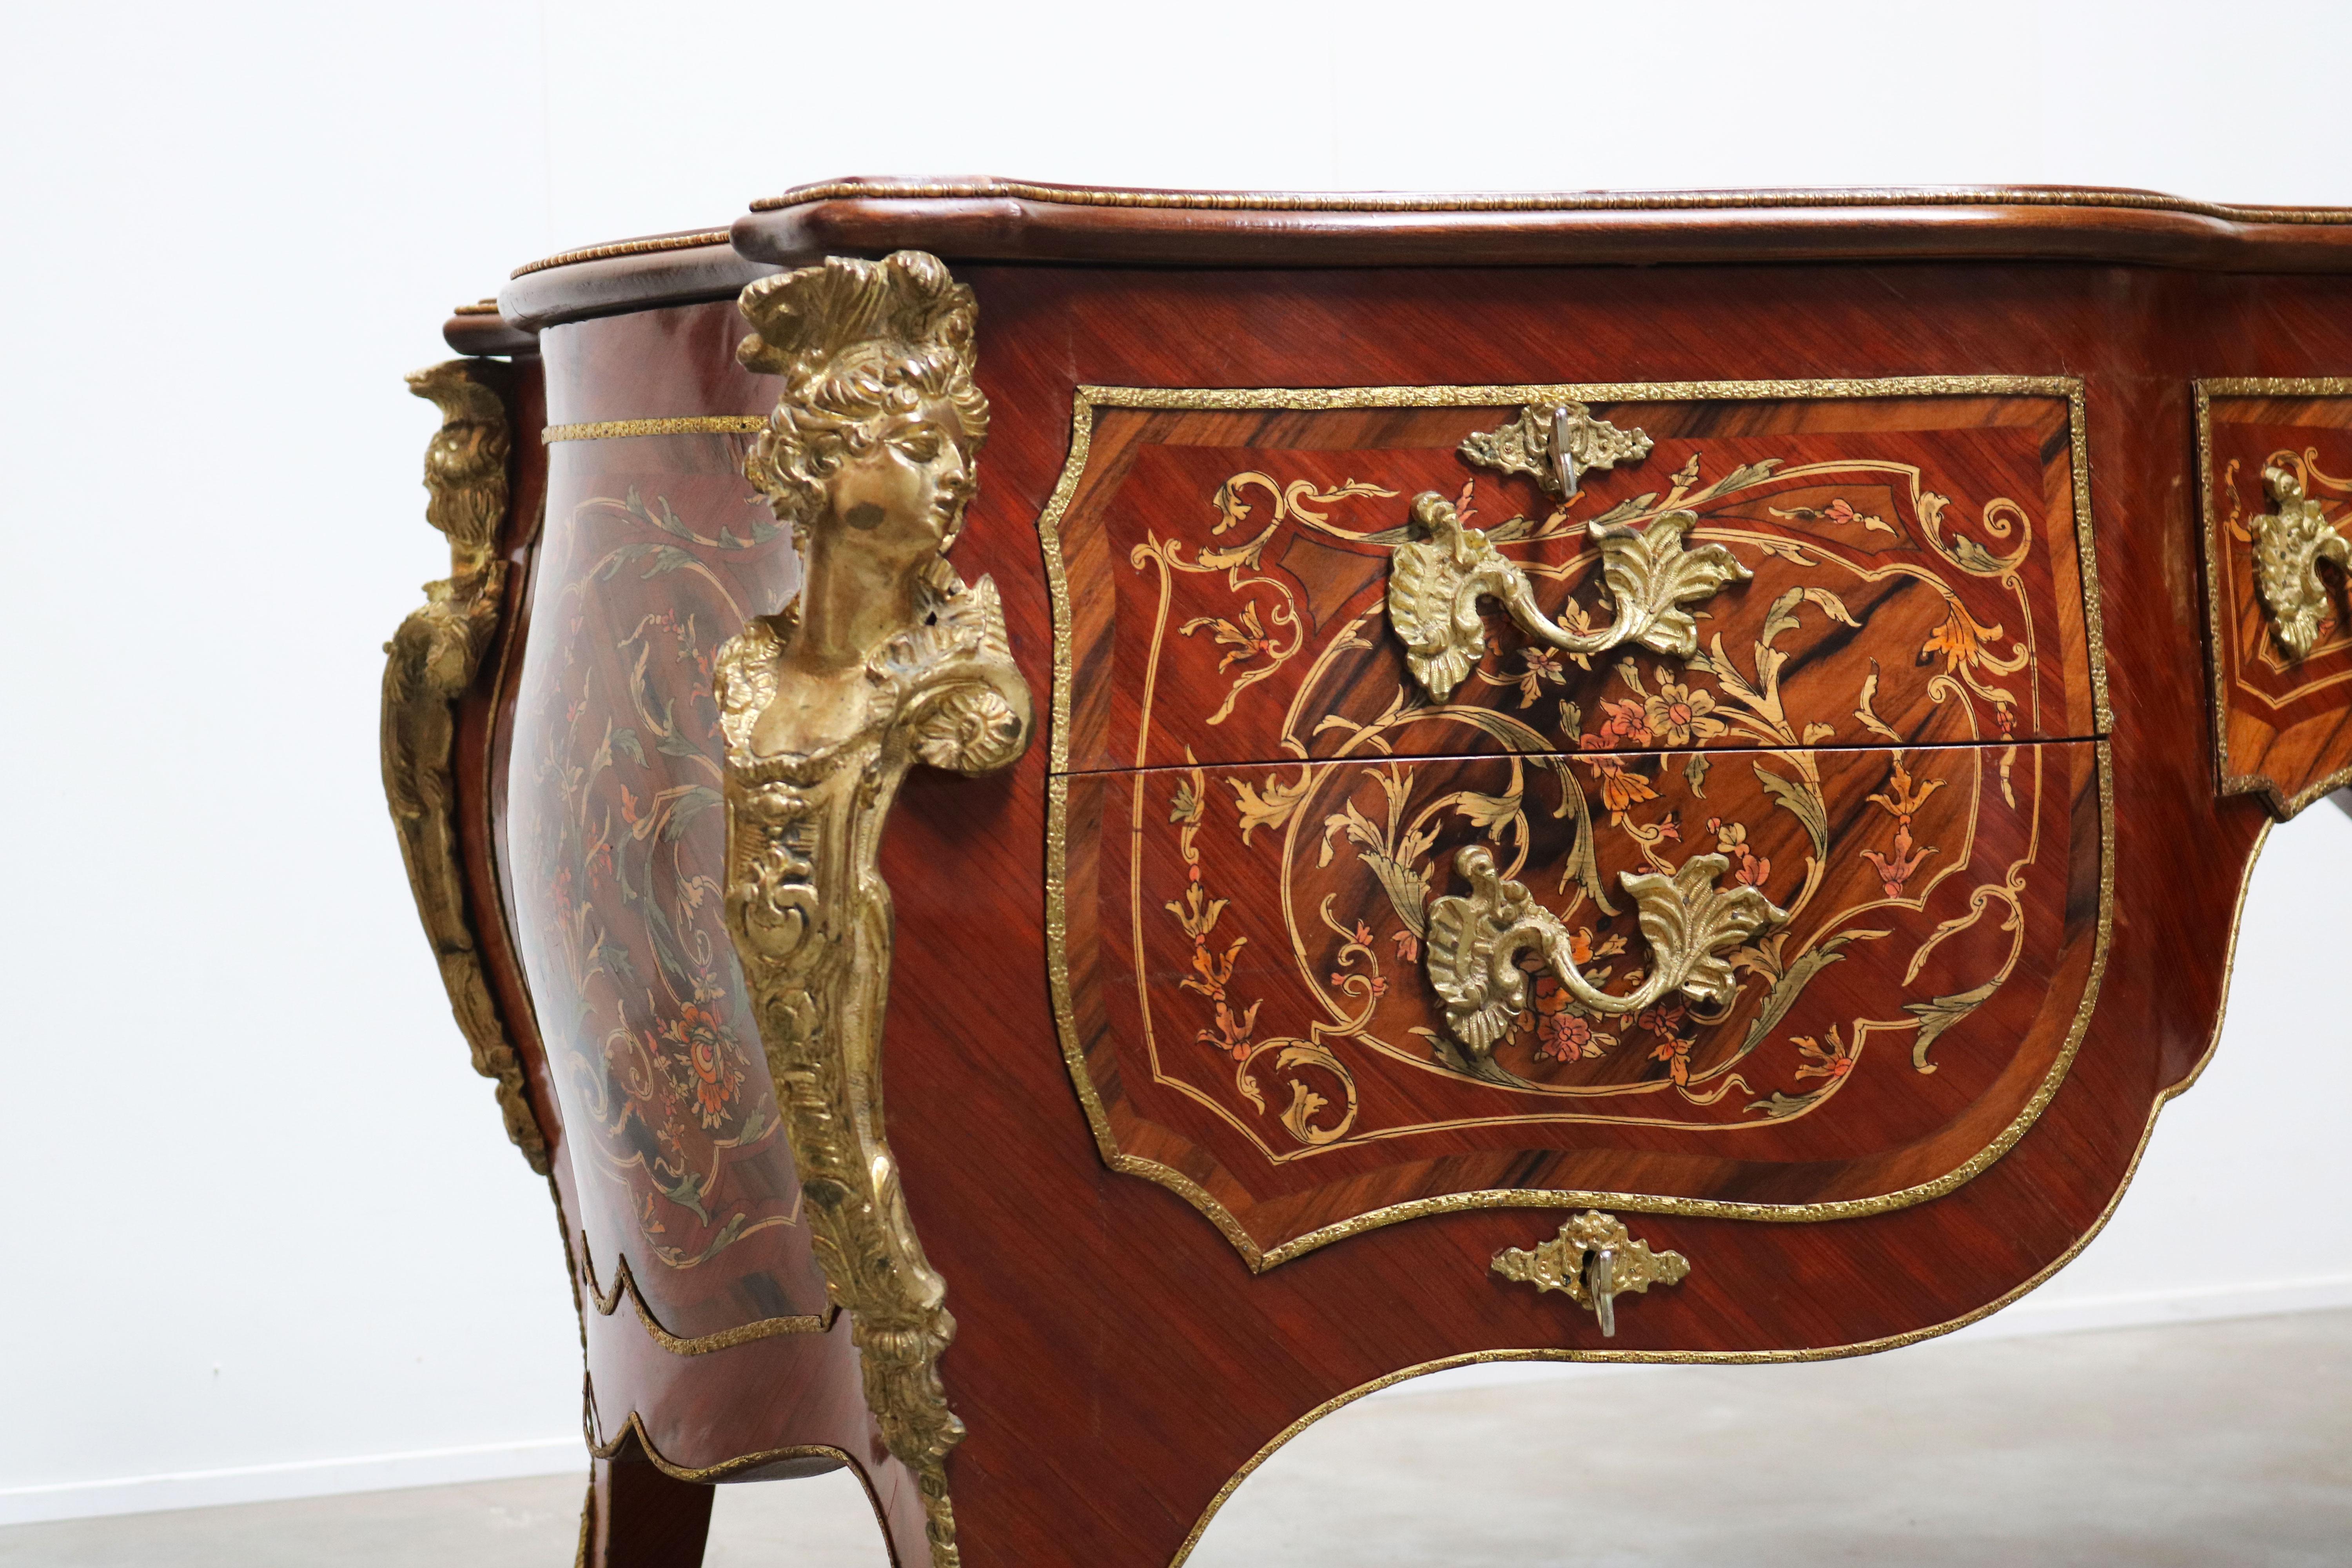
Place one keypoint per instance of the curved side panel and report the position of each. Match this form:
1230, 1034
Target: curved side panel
725, 1360
653, 549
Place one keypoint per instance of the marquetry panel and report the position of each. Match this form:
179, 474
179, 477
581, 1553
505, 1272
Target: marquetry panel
1908, 561
2281, 713
1882, 729
1253, 1007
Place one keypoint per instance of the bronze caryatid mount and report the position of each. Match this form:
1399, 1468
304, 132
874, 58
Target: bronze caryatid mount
886, 658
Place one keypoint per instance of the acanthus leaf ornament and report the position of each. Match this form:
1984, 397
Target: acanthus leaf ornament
885, 658
1475, 944
1437, 578
1593, 1260
429, 664
2289, 545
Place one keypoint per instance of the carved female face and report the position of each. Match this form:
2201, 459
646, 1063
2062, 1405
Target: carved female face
902, 501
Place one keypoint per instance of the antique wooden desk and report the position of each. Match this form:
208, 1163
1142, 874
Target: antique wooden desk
1655, 778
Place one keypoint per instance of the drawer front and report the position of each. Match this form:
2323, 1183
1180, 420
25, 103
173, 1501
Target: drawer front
2276, 463
1244, 581
1801, 920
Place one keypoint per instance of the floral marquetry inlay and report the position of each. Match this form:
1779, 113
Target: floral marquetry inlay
1786, 905
615, 872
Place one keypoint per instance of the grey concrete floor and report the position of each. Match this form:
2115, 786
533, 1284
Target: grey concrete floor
2225, 1443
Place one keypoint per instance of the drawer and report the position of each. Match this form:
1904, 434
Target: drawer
1245, 579
1791, 908
2276, 461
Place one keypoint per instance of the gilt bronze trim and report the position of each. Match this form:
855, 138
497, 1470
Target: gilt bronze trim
625, 1283
885, 658
633, 1429
1753, 1358
430, 663
648, 247
674, 425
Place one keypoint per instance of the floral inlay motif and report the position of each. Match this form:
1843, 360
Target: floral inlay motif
1689, 765
618, 857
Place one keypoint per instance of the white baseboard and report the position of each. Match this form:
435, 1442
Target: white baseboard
2034, 1315
2053, 1314
303, 1478
556, 1456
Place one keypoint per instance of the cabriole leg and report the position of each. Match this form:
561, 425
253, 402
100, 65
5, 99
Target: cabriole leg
636, 1517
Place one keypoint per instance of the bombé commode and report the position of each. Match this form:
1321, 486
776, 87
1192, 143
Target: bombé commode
1383, 782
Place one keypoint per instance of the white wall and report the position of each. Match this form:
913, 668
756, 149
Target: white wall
261, 1214
265, 1235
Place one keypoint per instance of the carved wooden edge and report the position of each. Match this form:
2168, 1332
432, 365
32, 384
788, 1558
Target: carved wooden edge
635, 275
806, 802
1407, 202
1018, 220
430, 663
1015, 220
477, 330
2284, 804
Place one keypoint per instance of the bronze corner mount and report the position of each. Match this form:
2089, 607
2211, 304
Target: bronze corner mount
885, 658
429, 664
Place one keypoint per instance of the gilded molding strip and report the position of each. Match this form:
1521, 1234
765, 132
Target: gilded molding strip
1757, 1358
2283, 806
886, 658
1533, 201
625, 1283
624, 248
430, 662
1089, 398
678, 425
